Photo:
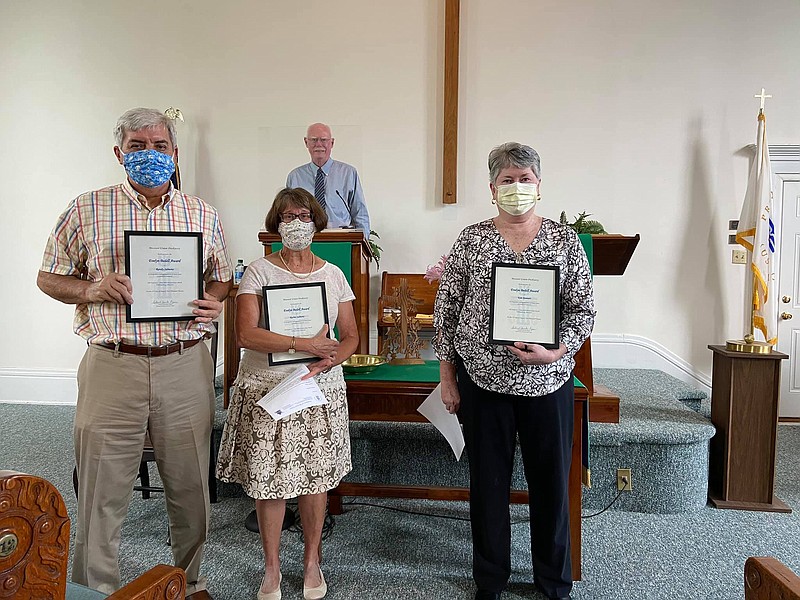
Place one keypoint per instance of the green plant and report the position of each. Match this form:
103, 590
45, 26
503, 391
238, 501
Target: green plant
583, 224
375, 248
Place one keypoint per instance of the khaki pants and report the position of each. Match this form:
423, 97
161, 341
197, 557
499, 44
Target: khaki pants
120, 398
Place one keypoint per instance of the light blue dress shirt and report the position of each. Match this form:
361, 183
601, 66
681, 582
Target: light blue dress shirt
344, 196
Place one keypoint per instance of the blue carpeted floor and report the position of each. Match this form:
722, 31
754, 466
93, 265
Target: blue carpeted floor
375, 553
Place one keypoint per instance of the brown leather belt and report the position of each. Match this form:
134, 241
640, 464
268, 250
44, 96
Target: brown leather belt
150, 350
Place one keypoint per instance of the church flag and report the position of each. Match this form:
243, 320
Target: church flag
757, 233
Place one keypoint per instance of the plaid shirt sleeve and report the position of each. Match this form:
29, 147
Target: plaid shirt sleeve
219, 265
65, 253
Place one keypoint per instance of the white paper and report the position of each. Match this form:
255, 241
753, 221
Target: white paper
292, 395
434, 410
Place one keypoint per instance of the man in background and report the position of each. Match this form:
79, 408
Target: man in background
135, 378
334, 184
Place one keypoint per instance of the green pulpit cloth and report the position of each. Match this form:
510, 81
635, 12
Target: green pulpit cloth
588, 247
337, 253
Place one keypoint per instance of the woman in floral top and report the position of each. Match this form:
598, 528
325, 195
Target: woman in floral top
501, 392
307, 453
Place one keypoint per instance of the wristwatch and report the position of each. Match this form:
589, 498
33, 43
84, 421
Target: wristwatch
291, 346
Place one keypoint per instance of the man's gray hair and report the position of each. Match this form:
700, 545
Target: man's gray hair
137, 119
512, 154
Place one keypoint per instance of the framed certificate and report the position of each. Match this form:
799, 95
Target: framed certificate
298, 309
524, 305
166, 274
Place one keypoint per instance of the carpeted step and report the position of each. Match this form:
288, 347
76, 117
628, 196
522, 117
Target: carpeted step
663, 441
409, 454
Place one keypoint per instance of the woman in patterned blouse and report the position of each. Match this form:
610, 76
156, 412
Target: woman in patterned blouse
501, 392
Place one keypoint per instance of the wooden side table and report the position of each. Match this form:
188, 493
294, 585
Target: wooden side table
744, 409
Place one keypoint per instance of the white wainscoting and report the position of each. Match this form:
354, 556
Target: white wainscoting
609, 351
623, 351
31, 386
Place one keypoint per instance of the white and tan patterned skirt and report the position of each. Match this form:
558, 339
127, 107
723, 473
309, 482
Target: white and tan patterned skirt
305, 453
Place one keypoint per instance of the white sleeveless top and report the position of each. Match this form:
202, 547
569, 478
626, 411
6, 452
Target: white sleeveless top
261, 272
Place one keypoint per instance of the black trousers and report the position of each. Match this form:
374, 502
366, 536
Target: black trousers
544, 424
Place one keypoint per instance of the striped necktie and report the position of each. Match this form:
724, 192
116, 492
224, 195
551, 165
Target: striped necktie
319, 187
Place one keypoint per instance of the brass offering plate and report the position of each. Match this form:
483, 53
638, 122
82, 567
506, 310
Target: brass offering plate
362, 363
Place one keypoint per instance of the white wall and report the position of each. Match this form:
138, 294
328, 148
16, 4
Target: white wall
640, 111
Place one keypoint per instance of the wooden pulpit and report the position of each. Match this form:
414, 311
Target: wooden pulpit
354, 262
611, 255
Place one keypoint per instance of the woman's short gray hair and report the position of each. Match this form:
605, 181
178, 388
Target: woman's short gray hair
137, 119
513, 154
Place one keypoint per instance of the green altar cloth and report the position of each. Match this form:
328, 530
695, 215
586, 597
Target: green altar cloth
427, 373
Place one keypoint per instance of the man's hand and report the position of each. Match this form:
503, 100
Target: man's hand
114, 287
208, 309
534, 354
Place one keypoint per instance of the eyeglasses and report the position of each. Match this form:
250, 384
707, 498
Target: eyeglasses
288, 217
323, 141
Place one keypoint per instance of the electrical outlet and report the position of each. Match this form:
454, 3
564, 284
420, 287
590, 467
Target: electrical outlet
739, 256
624, 480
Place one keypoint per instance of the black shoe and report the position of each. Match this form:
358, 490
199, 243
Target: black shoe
484, 595
549, 597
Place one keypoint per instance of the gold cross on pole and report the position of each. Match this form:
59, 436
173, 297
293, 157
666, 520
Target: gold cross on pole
763, 97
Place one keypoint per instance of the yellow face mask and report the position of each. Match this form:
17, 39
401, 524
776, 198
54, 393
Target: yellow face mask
517, 198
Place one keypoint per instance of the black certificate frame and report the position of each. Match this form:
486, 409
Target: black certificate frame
553, 273
267, 290
197, 287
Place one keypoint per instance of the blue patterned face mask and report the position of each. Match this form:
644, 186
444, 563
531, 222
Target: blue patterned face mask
148, 168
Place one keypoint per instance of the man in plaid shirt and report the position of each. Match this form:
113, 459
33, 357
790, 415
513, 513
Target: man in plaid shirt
138, 377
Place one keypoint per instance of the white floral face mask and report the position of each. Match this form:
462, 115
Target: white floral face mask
297, 235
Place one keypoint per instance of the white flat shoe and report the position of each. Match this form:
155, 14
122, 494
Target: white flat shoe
318, 592
274, 595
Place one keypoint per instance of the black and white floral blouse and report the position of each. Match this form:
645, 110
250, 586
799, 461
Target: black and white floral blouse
461, 313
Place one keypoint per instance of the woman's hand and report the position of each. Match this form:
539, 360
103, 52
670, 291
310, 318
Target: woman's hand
320, 345
315, 368
534, 354
450, 396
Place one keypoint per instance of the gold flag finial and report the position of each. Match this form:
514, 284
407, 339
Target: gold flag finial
175, 113
763, 97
